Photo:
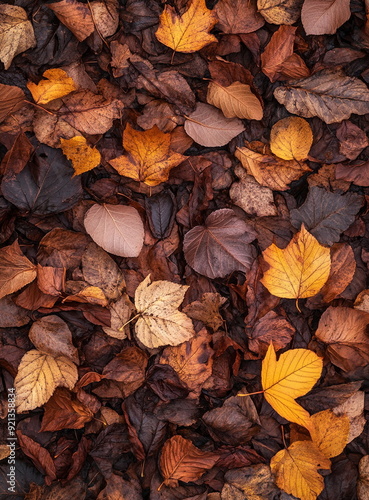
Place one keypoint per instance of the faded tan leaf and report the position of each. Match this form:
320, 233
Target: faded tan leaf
236, 100
16, 270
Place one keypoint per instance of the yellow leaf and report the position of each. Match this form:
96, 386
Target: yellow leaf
298, 271
38, 376
292, 376
82, 156
57, 84
291, 138
237, 100
150, 157
160, 323
296, 470
330, 432
189, 32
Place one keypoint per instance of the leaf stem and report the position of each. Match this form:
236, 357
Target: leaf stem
128, 322
251, 393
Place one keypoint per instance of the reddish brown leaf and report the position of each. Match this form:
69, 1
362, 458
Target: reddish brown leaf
64, 411
11, 100
16, 270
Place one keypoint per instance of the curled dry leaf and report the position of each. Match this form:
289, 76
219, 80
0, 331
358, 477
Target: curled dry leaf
208, 126
38, 376
149, 158
221, 246
118, 229
298, 271
160, 323
181, 461
82, 156
76, 16
16, 33
189, 32
291, 138
328, 94
324, 18
16, 270
57, 84
236, 100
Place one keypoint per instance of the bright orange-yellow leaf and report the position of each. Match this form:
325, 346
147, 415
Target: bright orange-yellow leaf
296, 470
298, 271
330, 432
57, 84
291, 138
292, 376
189, 32
82, 156
149, 156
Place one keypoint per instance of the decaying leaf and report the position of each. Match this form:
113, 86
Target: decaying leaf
11, 99
291, 138
38, 376
298, 271
16, 33
149, 158
181, 461
57, 84
277, 12
118, 229
82, 156
238, 16
160, 323
324, 18
189, 32
64, 411
16, 270
208, 126
76, 16
293, 375
207, 310
236, 100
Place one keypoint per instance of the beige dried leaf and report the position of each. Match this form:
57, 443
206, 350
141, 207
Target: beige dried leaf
236, 100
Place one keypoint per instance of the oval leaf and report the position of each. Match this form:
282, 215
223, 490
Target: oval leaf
16, 270
236, 101
291, 138
118, 229
324, 18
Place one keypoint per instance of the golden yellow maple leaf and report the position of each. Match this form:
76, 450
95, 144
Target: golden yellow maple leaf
236, 100
298, 271
292, 376
149, 156
189, 32
82, 156
296, 470
57, 84
330, 432
291, 138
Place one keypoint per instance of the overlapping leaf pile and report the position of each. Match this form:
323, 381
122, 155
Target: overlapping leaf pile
184, 252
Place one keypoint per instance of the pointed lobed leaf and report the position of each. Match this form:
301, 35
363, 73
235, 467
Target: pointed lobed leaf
57, 83
236, 100
298, 271
292, 376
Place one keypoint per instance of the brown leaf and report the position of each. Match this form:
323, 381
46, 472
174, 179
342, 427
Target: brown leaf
352, 139
270, 328
39, 455
181, 461
62, 248
226, 72
221, 246
207, 310
10, 101
120, 55
76, 16
128, 366
235, 100
238, 17
277, 12
255, 482
17, 157
344, 330
11, 314
279, 48
358, 174
64, 411
16, 270
324, 18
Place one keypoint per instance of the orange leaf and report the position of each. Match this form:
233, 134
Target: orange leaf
57, 84
82, 156
16, 270
150, 157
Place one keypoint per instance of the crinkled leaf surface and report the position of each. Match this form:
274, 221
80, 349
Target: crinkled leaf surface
56, 84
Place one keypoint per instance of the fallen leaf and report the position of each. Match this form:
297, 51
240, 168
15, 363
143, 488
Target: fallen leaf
363, 482
277, 12
255, 482
181, 461
326, 215
238, 16
189, 32
221, 246
353, 408
16, 270
16, 33
344, 330
62, 248
296, 469
324, 18
120, 312
38, 454
38, 376
208, 126
118, 229
12, 315
358, 174
278, 50
149, 158
160, 211
128, 366
235, 100
64, 411
207, 310
11, 100
160, 323
120, 54
57, 84
298, 271
293, 375
352, 139
330, 432
82, 156
105, 14
291, 138
76, 16
328, 94
269, 170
